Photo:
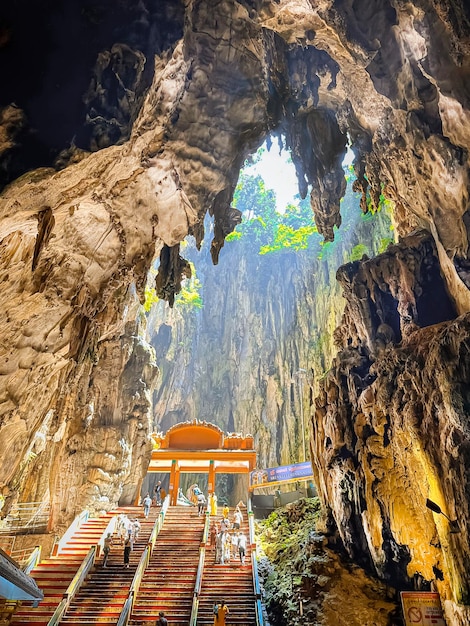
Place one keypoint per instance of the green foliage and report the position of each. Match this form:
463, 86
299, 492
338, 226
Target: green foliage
150, 298
266, 227
384, 243
283, 532
190, 296
233, 236
326, 248
287, 237
358, 252
286, 540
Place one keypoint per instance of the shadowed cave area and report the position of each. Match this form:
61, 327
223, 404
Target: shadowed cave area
148, 278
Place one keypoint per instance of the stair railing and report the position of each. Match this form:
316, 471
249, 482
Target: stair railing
26, 517
200, 570
77, 581
254, 567
159, 523
126, 612
71, 530
85, 567
33, 560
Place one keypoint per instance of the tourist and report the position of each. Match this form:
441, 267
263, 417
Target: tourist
136, 529
147, 504
234, 546
219, 544
127, 551
106, 548
201, 503
220, 611
158, 493
213, 534
122, 524
161, 621
227, 547
213, 503
242, 540
225, 511
237, 519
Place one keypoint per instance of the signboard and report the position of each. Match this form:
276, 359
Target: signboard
281, 474
422, 608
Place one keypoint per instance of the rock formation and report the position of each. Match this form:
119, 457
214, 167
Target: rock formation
391, 424
103, 175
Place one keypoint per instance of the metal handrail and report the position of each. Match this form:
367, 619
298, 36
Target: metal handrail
33, 560
71, 530
82, 572
194, 611
134, 588
200, 571
26, 516
254, 567
58, 613
74, 586
126, 611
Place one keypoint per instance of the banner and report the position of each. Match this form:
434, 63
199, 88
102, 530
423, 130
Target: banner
422, 608
281, 474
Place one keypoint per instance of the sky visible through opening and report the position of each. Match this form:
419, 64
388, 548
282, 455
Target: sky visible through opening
278, 172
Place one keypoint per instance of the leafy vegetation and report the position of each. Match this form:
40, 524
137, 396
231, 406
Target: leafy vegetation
189, 297
150, 298
264, 225
359, 251
286, 538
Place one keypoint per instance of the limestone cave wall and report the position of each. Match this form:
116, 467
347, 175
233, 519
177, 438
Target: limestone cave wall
122, 128
391, 421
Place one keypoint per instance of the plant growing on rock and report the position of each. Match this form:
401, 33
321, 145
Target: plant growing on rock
307, 582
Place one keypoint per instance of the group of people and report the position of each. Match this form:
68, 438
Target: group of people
159, 494
227, 538
127, 531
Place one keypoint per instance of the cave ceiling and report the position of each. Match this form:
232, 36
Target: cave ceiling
123, 124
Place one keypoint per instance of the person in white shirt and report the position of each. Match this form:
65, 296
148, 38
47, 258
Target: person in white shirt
237, 519
242, 547
201, 503
147, 502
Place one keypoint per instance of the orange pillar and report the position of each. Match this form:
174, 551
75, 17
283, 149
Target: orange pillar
174, 497
171, 488
211, 479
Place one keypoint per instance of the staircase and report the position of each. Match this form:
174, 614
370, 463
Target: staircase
169, 580
102, 596
54, 575
231, 583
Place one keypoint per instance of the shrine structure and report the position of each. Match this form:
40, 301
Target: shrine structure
200, 447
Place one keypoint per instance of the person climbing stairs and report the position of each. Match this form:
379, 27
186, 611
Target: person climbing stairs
101, 597
169, 580
231, 582
54, 575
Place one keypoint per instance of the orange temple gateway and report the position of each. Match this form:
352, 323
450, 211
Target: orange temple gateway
200, 447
